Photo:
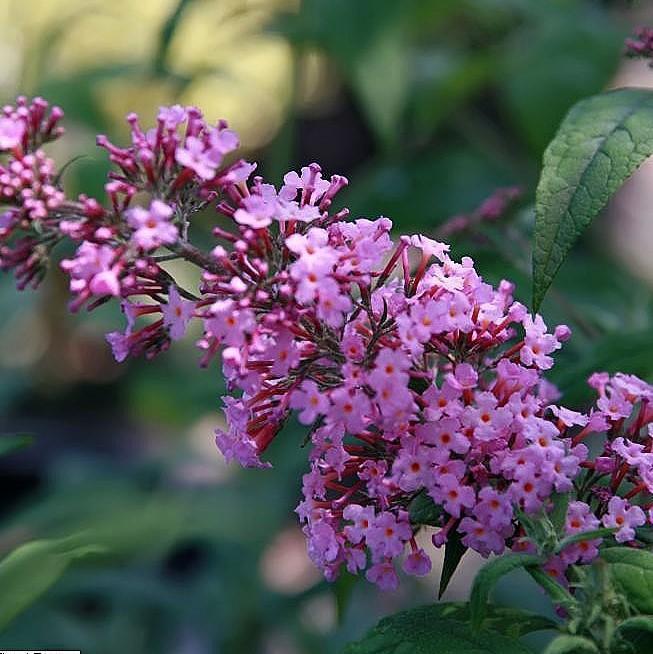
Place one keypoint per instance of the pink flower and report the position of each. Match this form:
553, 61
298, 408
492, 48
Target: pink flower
615, 405
172, 116
363, 519
429, 247
310, 401
452, 494
417, 563
119, 343
383, 574
152, 227
332, 304
11, 133
463, 378
198, 158
177, 312
92, 269
493, 509
625, 517
426, 320
258, 209
222, 141
446, 433
323, 545
537, 344
487, 419
480, 537
229, 324
349, 407
456, 312
311, 178
580, 519
413, 468
388, 535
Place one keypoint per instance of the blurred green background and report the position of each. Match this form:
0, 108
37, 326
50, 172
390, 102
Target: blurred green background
427, 106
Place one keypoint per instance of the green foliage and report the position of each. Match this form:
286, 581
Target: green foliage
632, 572
488, 576
564, 57
460, 96
558, 593
11, 442
454, 550
443, 629
343, 589
637, 632
424, 511
599, 145
565, 644
31, 569
558, 514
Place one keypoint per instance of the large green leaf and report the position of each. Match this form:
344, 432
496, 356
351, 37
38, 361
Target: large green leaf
638, 632
440, 629
28, 571
488, 576
600, 143
566, 644
632, 571
505, 620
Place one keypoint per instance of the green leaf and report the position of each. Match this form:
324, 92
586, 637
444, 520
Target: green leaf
515, 622
342, 590
433, 629
166, 34
638, 632
600, 143
558, 593
632, 572
585, 535
645, 534
12, 442
488, 576
558, 514
571, 645
28, 571
506, 620
424, 511
380, 79
368, 40
454, 551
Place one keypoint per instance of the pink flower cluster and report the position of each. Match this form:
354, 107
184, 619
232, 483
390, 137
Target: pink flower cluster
640, 44
416, 380
29, 188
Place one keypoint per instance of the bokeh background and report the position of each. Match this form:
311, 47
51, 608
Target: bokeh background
427, 106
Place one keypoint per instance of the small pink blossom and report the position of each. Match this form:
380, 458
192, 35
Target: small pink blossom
152, 227
177, 312
625, 517
310, 401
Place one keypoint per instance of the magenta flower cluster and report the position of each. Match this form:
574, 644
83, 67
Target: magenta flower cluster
640, 45
415, 379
